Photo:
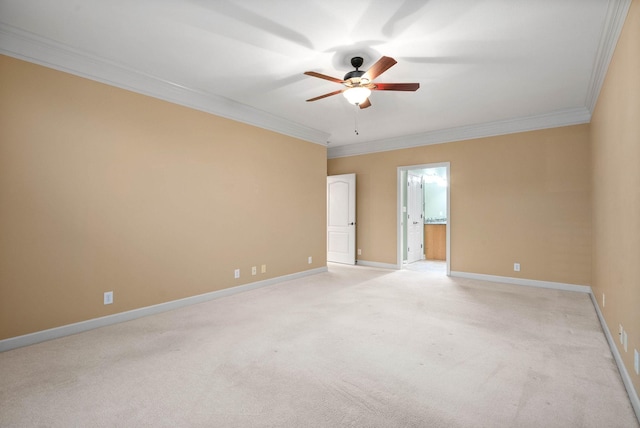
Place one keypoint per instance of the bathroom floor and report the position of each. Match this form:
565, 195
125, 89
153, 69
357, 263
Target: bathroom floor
434, 266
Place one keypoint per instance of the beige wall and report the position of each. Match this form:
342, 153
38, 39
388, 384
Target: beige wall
103, 189
615, 136
515, 198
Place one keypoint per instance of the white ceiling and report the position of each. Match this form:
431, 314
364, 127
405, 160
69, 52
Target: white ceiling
485, 67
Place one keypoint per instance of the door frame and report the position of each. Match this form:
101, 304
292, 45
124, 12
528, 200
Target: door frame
400, 192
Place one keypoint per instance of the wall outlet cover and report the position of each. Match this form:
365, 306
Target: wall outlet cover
620, 332
636, 361
108, 297
236, 273
516, 267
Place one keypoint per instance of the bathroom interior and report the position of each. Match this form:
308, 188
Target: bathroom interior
430, 186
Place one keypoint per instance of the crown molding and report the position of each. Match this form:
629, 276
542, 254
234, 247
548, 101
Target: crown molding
614, 21
556, 119
30, 47
27, 46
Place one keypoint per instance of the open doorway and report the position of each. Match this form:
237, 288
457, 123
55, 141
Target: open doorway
434, 226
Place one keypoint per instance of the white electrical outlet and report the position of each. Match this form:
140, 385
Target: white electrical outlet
624, 341
603, 300
263, 269
636, 361
108, 297
620, 331
310, 259
236, 273
516, 267
359, 251
254, 270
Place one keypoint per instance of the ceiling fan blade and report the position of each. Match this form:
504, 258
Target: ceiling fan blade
365, 104
395, 87
379, 67
326, 95
323, 76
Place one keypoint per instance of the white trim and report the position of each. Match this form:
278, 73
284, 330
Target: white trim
399, 218
44, 51
376, 264
524, 281
624, 374
448, 249
626, 379
616, 15
66, 330
614, 22
399, 213
27, 46
567, 117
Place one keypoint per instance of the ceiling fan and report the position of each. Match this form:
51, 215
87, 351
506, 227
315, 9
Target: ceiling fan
359, 84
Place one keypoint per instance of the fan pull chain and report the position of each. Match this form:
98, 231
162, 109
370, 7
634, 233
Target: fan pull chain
355, 119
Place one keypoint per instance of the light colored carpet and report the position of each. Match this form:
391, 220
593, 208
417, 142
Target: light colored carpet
354, 347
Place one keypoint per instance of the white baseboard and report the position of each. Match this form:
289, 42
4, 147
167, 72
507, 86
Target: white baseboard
523, 281
626, 379
79, 327
377, 264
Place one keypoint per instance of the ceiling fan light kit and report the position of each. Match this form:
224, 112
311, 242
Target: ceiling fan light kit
357, 95
359, 84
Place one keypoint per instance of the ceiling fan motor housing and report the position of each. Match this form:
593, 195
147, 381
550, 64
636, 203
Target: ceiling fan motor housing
356, 74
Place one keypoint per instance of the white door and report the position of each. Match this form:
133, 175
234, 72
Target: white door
341, 218
415, 220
